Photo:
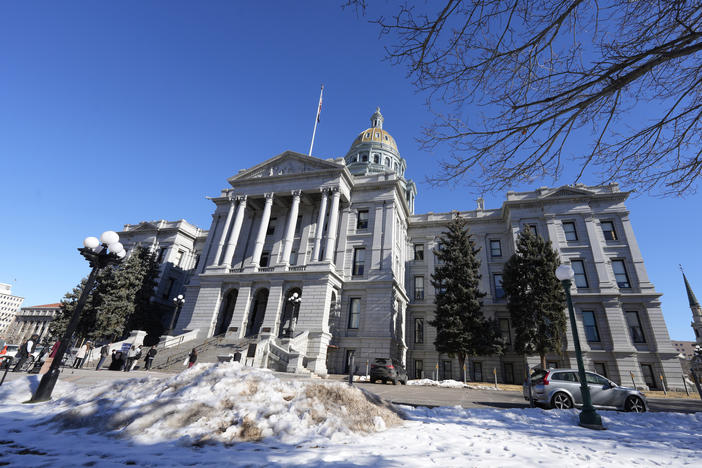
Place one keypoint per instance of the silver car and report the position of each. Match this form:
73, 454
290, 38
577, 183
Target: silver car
560, 388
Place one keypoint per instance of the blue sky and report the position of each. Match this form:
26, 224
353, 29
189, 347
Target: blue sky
119, 112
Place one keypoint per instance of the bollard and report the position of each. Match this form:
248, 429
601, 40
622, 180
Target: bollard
632, 379
367, 374
494, 372
464, 374
351, 368
7, 363
685, 385
660, 376
437, 371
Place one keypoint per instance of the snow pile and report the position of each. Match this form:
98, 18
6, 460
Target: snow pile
221, 403
448, 384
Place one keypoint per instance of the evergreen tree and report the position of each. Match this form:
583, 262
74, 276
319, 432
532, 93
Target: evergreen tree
147, 315
536, 300
461, 328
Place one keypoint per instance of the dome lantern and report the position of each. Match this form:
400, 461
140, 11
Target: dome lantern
377, 119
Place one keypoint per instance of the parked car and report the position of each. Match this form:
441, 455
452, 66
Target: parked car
8, 351
388, 370
560, 388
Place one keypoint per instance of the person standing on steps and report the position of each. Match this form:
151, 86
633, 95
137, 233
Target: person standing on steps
150, 355
80, 355
104, 352
192, 358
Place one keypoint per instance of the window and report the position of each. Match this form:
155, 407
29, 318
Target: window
359, 260
387, 162
419, 288
570, 233
419, 251
354, 312
505, 331
608, 230
532, 228
580, 277
495, 248
293, 257
591, 332
178, 258
376, 158
265, 258
601, 368
634, 324
418, 369
161, 254
477, 372
508, 372
298, 225
169, 290
552, 364
271, 227
364, 157
362, 221
499, 292
565, 376
620, 274
647, 371
419, 330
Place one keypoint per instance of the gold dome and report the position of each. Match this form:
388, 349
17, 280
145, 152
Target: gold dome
377, 135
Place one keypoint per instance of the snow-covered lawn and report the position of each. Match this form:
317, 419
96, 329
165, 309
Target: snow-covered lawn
449, 384
227, 415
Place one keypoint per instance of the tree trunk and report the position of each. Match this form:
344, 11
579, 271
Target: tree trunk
461, 363
543, 361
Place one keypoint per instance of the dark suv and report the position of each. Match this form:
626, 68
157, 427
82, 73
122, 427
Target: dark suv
388, 370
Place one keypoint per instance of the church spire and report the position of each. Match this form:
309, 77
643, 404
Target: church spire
690, 295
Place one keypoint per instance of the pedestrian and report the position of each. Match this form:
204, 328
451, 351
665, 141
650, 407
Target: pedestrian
131, 354
150, 355
192, 358
104, 351
24, 352
80, 356
88, 353
117, 360
137, 356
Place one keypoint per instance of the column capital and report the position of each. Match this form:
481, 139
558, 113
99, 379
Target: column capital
296, 193
241, 198
269, 196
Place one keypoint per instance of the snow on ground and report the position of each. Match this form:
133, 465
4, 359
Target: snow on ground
449, 384
182, 421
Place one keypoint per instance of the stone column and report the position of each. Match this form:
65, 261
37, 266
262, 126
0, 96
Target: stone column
261, 237
636, 257
601, 262
205, 255
333, 221
236, 230
223, 236
320, 225
292, 224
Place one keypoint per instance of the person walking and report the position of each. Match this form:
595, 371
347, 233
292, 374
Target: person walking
131, 354
192, 358
88, 353
137, 356
80, 356
104, 352
150, 355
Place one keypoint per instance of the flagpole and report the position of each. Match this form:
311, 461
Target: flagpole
316, 120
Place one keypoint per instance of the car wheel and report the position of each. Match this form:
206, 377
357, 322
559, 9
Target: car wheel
561, 401
634, 404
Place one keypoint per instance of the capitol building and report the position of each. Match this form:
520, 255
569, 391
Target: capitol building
311, 261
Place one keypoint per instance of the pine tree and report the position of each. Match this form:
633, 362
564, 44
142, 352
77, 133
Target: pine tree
536, 300
461, 328
147, 315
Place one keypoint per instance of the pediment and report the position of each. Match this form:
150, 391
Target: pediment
568, 192
285, 164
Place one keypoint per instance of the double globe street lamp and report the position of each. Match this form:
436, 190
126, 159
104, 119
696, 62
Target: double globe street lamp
100, 254
588, 417
178, 301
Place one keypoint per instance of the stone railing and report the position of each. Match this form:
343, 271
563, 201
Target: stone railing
266, 269
172, 341
299, 343
297, 268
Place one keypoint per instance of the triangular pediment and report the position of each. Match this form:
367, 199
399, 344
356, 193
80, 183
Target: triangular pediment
568, 192
286, 163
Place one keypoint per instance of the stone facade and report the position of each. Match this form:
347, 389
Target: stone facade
9, 306
341, 236
33, 320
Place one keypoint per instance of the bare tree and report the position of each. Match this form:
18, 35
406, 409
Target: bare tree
516, 85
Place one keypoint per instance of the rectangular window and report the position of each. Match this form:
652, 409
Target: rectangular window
552, 364
591, 332
601, 368
178, 258
580, 277
505, 331
293, 258
634, 324
419, 330
570, 233
419, 251
265, 258
161, 254
620, 274
495, 248
608, 230
271, 227
477, 372
354, 312
362, 221
532, 228
169, 290
418, 288
359, 261
298, 225
508, 372
499, 292
418, 369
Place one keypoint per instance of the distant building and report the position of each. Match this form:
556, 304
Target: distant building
9, 305
685, 348
177, 245
33, 320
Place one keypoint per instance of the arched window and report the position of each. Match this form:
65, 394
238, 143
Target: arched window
376, 158
226, 312
258, 311
387, 162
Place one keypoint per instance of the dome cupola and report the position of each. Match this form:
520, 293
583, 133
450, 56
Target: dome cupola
374, 150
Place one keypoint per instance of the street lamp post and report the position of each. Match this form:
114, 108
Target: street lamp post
588, 417
178, 301
100, 254
294, 301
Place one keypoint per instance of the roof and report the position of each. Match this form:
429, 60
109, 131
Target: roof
45, 306
690, 295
